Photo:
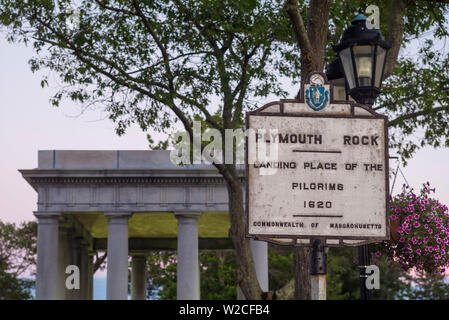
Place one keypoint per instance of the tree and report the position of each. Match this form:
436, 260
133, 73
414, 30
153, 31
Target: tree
218, 267
17, 259
217, 270
425, 286
402, 21
160, 62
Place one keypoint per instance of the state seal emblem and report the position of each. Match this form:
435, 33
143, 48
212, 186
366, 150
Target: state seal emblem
317, 96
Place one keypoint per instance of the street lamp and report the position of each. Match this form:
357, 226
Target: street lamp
336, 77
359, 69
362, 53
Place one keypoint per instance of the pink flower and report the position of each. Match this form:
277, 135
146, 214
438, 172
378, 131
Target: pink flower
416, 216
416, 224
430, 231
378, 254
393, 217
418, 251
426, 239
430, 249
398, 210
400, 230
401, 240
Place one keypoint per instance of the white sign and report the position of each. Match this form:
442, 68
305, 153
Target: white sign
328, 178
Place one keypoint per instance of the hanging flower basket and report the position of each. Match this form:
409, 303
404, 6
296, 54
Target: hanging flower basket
419, 232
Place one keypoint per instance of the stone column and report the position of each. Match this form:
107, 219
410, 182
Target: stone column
81, 261
117, 261
138, 277
90, 276
47, 279
188, 280
259, 250
62, 249
260, 256
68, 257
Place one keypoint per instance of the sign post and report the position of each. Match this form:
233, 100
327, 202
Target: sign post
318, 270
317, 173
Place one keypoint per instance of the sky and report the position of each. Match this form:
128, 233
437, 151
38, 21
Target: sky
29, 123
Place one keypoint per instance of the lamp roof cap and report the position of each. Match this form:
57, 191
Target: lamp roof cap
360, 17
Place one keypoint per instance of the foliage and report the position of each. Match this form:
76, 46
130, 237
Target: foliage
217, 269
217, 272
416, 99
161, 268
217, 275
424, 232
280, 263
343, 281
416, 96
146, 61
424, 286
155, 63
17, 259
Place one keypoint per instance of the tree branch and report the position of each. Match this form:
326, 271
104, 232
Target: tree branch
115, 9
219, 54
82, 57
399, 119
317, 29
286, 292
395, 34
99, 261
415, 96
299, 30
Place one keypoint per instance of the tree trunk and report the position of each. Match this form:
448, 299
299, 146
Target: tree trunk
302, 276
246, 276
312, 42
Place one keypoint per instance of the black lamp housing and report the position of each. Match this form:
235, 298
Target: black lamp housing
362, 53
336, 76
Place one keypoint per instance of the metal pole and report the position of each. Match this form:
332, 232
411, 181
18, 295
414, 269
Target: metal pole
318, 270
365, 294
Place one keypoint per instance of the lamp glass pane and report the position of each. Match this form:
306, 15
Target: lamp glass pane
381, 52
363, 56
339, 88
346, 61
